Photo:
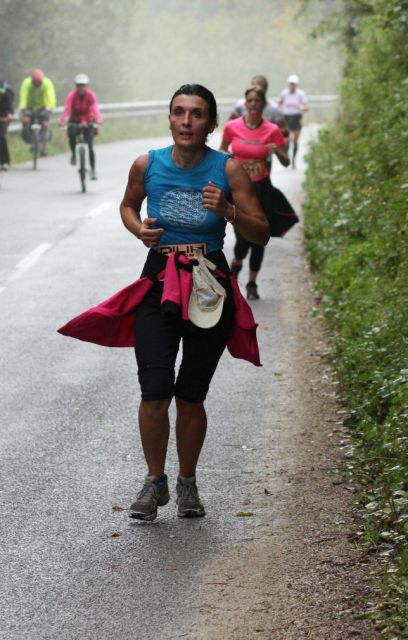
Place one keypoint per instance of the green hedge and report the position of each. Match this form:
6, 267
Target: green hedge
356, 235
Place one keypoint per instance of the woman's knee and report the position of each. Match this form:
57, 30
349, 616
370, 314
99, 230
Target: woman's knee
155, 408
186, 407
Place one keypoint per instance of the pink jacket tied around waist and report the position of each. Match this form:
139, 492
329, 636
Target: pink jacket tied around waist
111, 322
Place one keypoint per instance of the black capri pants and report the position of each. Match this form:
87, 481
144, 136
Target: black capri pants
242, 246
157, 342
241, 249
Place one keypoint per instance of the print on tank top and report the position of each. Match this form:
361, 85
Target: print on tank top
183, 207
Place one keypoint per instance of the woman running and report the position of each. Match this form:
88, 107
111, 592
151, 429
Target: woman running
293, 102
190, 192
252, 140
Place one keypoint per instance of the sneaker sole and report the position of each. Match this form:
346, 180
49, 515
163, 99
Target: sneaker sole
138, 515
191, 513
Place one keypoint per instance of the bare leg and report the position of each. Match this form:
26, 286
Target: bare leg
253, 275
154, 432
295, 146
191, 427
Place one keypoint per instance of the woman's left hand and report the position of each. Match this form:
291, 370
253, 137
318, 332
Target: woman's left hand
214, 199
271, 147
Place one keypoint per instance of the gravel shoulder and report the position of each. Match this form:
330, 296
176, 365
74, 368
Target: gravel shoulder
294, 574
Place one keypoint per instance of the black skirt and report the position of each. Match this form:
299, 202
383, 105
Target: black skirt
277, 209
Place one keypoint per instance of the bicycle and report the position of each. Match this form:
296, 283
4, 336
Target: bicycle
82, 129
37, 136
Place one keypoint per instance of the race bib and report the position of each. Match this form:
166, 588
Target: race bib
254, 168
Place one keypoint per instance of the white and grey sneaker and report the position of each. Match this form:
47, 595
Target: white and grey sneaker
154, 493
189, 504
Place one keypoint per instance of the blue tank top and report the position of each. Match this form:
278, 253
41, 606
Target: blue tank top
174, 197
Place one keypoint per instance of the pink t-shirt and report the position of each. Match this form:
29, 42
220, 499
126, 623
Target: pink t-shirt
249, 145
81, 108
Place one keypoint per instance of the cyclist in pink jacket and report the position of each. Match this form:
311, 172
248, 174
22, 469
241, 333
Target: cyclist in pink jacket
81, 106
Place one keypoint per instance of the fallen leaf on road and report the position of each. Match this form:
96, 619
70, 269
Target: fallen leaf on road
117, 507
267, 492
244, 514
115, 535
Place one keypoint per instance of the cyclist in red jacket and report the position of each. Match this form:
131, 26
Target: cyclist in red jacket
81, 105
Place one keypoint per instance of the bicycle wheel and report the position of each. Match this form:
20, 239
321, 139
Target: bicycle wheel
34, 147
82, 169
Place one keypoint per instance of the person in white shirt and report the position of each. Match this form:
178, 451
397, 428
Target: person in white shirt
292, 103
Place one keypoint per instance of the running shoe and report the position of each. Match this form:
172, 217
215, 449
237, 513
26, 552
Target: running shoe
252, 291
4, 167
235, 268
154, 493
189, 504
93, 175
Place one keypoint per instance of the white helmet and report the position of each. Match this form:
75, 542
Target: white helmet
293, 79
81, 78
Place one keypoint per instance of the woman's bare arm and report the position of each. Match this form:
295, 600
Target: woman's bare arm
224, 146
131, 204
280, 152
246, 215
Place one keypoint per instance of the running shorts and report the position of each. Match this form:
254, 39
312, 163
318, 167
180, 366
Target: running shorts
294, 122
157, 342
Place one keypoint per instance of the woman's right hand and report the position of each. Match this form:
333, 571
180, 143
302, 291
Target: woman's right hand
150, 237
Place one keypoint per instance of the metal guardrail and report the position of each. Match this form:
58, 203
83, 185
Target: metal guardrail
160, 107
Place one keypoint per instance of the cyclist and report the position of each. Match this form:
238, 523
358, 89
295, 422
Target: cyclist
292, 102
81, 106
6, 114
37, 93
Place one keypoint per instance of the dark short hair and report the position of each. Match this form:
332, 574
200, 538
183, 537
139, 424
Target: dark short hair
259, 92
202, 92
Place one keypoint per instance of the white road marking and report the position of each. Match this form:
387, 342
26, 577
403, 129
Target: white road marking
104, 206
31, 258
28, 261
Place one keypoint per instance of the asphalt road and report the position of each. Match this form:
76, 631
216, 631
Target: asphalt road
73, 567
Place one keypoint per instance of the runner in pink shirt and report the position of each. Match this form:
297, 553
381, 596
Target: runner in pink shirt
252, 140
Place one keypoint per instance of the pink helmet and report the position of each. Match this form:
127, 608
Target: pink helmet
37, 76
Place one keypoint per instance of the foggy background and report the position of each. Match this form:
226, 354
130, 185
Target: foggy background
141, 50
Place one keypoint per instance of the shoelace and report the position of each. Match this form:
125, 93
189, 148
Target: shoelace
144, 494
189, 493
